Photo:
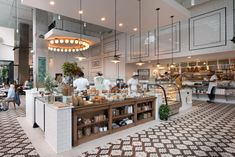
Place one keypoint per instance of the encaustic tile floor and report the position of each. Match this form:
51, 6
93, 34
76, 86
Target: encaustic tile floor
207, 130
13, 140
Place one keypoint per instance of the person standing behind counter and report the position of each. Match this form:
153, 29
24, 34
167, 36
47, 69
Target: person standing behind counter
99, 81
133, 84
81, 83
211, 87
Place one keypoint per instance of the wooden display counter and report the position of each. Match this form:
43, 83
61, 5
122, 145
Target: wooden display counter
96, 120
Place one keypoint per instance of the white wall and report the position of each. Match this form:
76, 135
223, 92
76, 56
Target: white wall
6, 37
103, 53
197, 10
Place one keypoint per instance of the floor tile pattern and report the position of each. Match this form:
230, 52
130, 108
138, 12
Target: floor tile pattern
208, 130
13, 140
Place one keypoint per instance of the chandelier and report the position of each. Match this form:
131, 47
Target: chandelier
67, 44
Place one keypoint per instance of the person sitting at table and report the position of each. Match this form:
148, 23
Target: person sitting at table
10, 97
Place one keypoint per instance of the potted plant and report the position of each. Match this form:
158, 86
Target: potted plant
70, 70
164, 112
49, 85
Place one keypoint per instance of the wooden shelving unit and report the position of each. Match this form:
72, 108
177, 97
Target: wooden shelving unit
90, 111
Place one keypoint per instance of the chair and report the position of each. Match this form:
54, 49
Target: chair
15, 101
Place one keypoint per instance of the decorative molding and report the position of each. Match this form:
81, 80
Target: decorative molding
110, 46
134, 46
213, 33
165, 35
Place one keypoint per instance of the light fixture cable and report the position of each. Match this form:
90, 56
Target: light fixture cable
115, 57
140, 63
140, 30
158, 31
81, 57
17, 17
172, 42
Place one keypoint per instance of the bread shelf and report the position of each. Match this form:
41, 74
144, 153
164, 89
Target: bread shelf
93, 123
86, 112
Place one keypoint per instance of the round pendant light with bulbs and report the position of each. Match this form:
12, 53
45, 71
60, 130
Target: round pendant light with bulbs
172, 42
140, 62
158, 63
115, 57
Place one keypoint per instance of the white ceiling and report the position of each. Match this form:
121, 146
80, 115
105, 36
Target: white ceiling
127, 11
188, 4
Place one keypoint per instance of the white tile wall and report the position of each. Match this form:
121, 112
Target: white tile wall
58, 129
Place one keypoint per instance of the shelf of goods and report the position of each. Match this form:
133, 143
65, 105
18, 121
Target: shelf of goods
96, 120
226, 92
170, 94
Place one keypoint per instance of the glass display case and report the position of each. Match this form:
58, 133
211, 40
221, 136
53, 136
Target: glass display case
170, 95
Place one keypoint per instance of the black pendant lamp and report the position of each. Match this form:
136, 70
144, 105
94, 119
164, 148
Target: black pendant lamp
158, 63
140, 62
115, 57
81, 56
172, 42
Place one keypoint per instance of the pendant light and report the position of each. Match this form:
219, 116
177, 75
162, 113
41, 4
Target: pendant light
115, 57
17, 17
172, 43
158, 63
140, 62
81, 56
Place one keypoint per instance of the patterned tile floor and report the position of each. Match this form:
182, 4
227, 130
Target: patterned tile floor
13, 140
207, 130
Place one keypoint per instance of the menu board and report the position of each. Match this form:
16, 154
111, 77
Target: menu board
41, 69
143, 74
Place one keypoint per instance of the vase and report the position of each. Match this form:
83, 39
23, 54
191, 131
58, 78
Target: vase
51, 99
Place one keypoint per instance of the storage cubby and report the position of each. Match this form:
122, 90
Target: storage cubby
94, 121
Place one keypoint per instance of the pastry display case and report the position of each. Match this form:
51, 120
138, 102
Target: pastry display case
170, 95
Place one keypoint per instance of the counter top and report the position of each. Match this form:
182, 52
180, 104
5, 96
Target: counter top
110, 103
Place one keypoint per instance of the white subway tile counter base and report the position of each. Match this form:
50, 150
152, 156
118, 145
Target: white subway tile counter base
58, 127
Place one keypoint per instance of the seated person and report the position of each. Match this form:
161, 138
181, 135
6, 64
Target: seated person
10, 97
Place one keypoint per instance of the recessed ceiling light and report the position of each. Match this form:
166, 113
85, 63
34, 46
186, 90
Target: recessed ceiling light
52, 2
80, 11
135, 29
103, 19
120, 24
189, 57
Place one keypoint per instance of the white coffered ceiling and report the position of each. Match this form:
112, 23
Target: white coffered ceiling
127, 11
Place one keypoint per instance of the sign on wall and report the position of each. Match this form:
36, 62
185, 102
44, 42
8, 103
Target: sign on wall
208, 30
41, 69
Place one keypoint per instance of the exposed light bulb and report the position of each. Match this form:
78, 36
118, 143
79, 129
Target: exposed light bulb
61, 41
80, 11
52, 2
71, 41
56, 41
51, 41
66, 41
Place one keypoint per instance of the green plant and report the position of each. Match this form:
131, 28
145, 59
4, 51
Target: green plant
70, 69
49, 84
164, 112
